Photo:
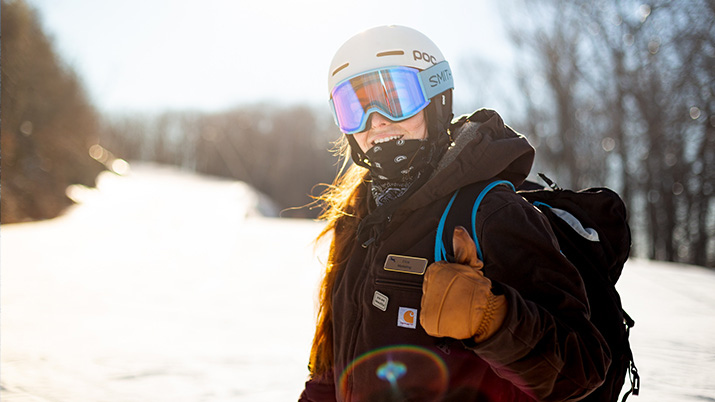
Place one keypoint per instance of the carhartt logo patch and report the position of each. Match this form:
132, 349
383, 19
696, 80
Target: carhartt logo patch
407, 317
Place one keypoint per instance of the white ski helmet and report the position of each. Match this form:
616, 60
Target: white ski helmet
384, 46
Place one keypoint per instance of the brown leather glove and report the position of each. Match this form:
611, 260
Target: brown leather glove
457, 301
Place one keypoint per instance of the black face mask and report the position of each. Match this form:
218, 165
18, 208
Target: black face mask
397, 160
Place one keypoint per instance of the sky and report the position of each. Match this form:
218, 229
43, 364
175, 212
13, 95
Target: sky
155, 55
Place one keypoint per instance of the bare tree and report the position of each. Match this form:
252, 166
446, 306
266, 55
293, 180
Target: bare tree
551, 73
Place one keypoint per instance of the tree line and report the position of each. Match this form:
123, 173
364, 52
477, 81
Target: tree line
280, 151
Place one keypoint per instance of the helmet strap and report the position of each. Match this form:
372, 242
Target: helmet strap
356, 152
439, 114
439, 118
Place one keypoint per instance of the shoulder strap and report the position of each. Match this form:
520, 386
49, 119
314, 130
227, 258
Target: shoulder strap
440, 252
476, 206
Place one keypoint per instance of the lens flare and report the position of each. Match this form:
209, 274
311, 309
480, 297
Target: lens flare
395, 373
391, 371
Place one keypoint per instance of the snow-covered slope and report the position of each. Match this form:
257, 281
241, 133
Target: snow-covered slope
166, 286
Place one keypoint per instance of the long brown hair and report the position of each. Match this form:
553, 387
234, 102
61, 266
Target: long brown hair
343, 207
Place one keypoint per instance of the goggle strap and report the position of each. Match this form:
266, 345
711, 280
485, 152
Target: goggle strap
436, 79
335, 114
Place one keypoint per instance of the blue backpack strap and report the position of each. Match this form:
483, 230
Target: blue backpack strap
440, 253
476, 206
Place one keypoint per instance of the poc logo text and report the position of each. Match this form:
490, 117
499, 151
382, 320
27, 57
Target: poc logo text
419, 55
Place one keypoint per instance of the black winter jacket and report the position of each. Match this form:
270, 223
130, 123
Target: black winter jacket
547, 349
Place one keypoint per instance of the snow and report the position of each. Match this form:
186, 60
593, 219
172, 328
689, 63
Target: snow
163, 285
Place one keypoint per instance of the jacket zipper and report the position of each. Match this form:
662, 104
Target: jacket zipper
398, 284
362, 281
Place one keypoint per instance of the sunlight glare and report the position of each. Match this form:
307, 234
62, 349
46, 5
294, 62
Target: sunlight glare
120, 167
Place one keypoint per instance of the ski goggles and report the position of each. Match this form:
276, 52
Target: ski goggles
397, 93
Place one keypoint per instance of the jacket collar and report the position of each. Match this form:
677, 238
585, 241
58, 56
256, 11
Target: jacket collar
484, 148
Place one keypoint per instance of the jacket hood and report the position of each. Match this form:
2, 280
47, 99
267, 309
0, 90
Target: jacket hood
485, 148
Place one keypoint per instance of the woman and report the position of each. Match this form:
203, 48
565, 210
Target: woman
394, 324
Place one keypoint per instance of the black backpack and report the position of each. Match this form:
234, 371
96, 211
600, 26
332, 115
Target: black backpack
592, 230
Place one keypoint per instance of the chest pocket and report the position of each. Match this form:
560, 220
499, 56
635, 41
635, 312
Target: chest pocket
401, 273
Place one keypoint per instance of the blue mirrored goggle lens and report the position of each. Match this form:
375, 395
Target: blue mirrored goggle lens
394, 92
